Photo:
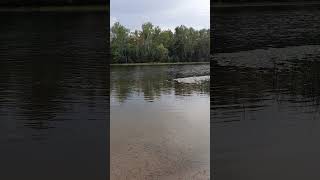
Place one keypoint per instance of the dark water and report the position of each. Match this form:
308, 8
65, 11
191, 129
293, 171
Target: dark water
258, 28
159, 127
266, 95
53, 96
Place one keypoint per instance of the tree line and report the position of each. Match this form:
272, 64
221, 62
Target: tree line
151, 44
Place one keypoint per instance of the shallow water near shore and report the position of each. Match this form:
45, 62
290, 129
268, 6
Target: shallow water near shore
159, 127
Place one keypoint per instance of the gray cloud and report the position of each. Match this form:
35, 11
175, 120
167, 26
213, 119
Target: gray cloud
138, 6
165, 13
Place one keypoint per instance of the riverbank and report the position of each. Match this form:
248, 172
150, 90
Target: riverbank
70, 8
159, 64
264, 4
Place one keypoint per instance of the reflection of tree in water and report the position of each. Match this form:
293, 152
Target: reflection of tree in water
305, 79
127, 81
297, 82
55, 67
45, 90
188, 89
28, 96
151, 82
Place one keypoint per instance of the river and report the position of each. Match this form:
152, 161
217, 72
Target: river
53, 96
160, 122
265, 93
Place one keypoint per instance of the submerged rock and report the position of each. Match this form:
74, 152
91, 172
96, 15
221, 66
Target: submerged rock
194, 79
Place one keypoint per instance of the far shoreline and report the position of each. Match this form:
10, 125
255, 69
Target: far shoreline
159, 64
56, 8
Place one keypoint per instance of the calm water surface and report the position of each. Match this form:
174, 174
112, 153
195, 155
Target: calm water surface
159, 127
266, 95
53, 96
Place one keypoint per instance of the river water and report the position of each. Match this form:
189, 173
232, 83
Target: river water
53, 96
265, 94
160, 122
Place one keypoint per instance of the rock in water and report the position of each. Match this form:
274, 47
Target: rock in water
194, 79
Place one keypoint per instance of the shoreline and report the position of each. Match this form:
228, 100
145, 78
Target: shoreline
159, 64
264, 4
66, 8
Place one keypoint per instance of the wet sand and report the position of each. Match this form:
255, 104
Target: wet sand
155, 152
145, 160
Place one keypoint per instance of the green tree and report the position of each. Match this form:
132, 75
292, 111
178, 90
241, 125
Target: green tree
119, 43
161, 53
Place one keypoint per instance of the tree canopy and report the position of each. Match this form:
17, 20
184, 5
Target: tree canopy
151, 44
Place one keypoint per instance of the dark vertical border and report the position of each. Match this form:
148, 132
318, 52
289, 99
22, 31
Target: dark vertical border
212, 39
108, 88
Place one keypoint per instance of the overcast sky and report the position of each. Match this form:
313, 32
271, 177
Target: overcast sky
164, 13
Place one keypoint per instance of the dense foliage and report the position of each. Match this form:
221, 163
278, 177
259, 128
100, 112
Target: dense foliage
151, 44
